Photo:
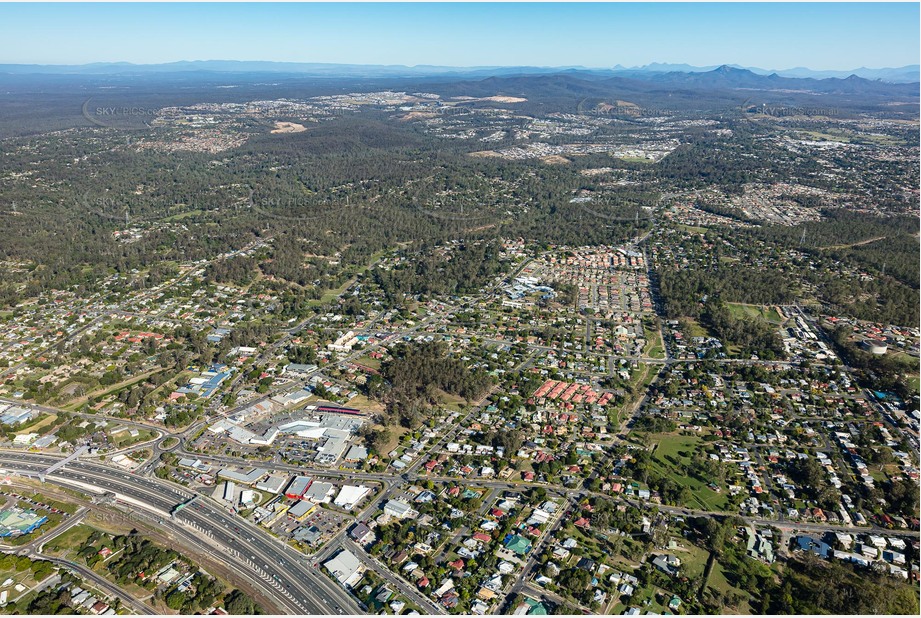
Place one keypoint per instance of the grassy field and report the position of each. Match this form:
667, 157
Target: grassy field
184, 215
829, 137
396, 432
46, 421
907, 361
125, 439
768, 314
693, 558
694, 229
695, 329
367, 361
103, 392
331, 295
671, 448
717, 581
367, 405
450, 401
654, 347
75, 537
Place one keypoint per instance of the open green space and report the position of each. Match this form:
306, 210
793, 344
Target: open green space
769, 314
717, 582
367, 361
695, 328
693, 558
125, 438
654, 347
907, 361
829, 136
66, 541
331, 295
672, 448
694, 229
76, 403
914, 383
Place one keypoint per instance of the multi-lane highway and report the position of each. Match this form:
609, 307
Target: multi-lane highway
285, 574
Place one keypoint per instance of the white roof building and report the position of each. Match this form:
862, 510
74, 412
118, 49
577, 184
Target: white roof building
351, 495
345, 567
398, 509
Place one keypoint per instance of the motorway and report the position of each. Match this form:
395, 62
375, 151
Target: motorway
290, 579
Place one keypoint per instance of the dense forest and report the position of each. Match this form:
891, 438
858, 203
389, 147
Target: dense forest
418, 371
813, 586
751, 336
417, 376
328, 200
686, 291
463, 270
339, 194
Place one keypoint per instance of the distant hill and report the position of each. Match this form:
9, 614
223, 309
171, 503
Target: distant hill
728, 77
907, 74
721, 82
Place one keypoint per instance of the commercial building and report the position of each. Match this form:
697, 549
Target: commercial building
246, 478
320, 492
273, 484
298, 487
398, 509
350, 495
302, 510
345, 567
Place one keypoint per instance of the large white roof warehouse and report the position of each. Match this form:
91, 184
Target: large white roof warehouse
350, 495
345, 567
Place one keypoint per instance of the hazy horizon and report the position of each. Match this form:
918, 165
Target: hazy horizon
458, 66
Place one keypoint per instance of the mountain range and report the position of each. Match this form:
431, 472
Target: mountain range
906, 74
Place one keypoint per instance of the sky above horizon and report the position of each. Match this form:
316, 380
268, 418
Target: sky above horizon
820, 36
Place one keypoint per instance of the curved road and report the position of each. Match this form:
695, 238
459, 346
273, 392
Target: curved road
289, 577
99, 582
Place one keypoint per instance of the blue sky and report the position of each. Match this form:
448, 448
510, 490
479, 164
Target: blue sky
770, 36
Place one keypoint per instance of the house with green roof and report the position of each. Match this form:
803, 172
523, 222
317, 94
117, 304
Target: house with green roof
537, 608
517, 544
